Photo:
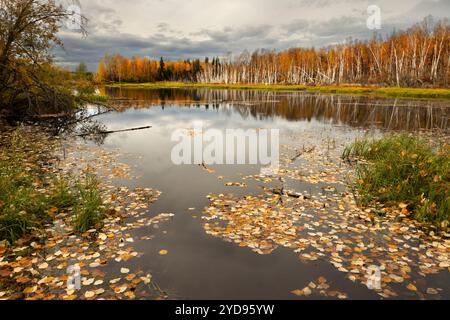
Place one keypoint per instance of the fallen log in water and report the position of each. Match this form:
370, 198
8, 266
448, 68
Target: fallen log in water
112, 131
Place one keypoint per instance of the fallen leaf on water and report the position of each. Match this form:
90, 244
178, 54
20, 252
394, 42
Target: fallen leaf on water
23, 280
89, 294
70, 292
147, 279
411, 287
432, 291
322, 280
30, 290
120, 289
99, 291
130, 277
124, 270
305, 292
43, 265
102, 236
45, 280
88, 282
5, 273
297, 292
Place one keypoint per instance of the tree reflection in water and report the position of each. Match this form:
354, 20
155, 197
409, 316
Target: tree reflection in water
355, 111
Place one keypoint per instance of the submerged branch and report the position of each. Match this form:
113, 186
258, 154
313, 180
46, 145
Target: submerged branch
302, 153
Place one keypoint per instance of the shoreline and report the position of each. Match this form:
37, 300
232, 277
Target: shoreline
386, 92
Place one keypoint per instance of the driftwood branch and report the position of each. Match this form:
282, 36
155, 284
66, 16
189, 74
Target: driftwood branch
52, 116
113, 131
290, 194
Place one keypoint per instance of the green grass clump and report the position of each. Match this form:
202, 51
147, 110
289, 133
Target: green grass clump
31, 197
407, 171
97, 98
89, 210
63, 196
415, 93
22, 208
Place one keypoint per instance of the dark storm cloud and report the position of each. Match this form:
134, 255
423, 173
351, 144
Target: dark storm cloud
92, 48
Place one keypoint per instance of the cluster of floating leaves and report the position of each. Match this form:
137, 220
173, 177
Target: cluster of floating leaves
322, 221
40, 270
322, 288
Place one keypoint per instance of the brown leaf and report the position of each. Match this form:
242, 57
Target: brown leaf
5, 273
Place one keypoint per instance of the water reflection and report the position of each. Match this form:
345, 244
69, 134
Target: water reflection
355, 111
199, 266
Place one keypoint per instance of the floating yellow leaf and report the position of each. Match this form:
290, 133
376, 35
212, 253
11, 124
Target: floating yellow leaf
99, 291
411, 287
30, 290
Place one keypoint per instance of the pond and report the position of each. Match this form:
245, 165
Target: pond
203, 264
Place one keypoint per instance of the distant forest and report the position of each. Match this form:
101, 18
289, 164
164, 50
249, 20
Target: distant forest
417, 57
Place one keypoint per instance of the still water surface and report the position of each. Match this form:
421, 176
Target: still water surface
198, 265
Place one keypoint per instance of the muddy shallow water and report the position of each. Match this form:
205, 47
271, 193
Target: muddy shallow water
206, 265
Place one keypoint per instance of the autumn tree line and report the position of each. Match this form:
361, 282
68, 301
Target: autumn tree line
419, 56
118, 68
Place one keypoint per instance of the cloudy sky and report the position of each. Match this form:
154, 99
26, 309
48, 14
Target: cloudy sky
180, 29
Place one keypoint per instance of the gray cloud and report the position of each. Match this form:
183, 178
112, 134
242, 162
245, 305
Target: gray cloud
177, 29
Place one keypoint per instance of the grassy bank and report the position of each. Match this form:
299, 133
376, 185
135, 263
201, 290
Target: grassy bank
32, 195
404, 172
97, 99
414, 93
